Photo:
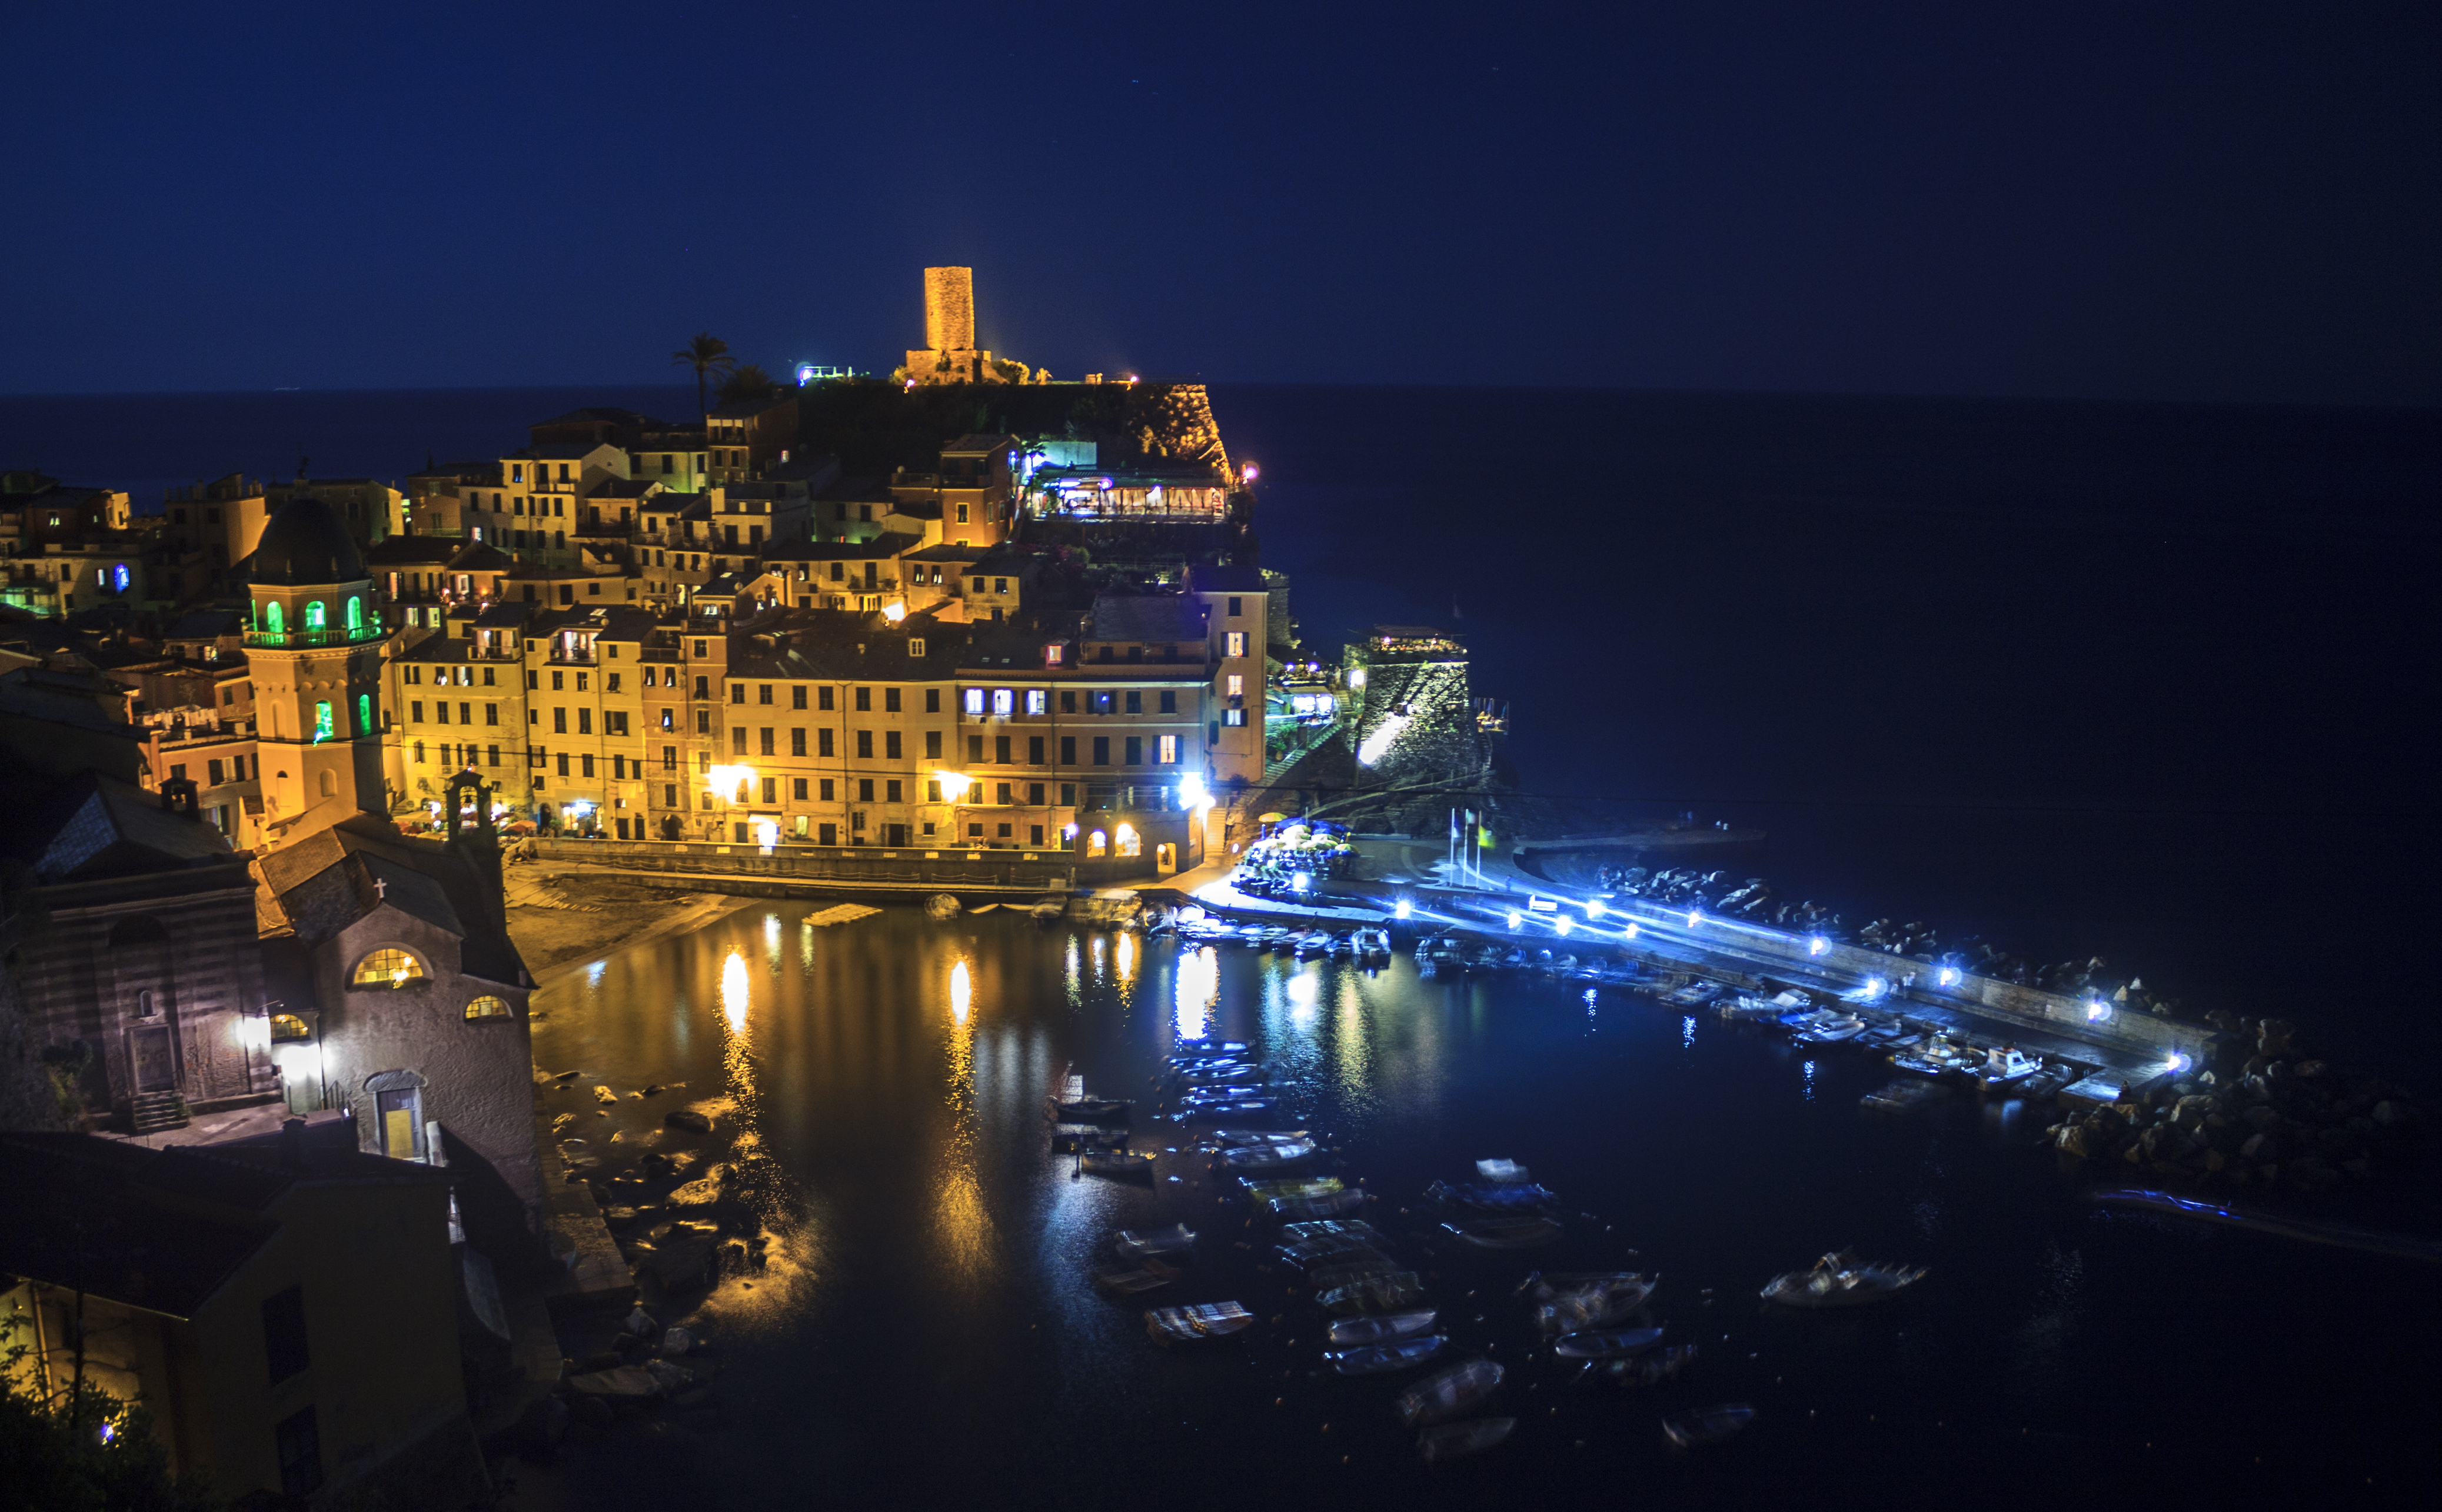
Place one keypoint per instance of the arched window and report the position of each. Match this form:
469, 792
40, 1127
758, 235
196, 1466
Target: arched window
274, 623
323, 729
355, 614
487, 1007
364, 707
1096, 843
144, 1005
388, 968
1129, 844
314, 615
330, 784
288, 1027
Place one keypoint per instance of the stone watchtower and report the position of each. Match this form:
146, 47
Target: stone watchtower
314, 645
950, 354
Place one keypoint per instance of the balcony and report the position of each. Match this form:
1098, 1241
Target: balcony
307, 640
571, 655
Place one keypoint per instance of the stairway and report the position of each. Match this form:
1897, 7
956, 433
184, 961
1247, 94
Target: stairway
152, 1112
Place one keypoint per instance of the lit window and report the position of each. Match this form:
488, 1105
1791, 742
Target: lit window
1169, 749
1236, 643
1034, 700
1004, 702
364, 712
487, 1007
288, 1027
1130, 845
389, 968
323, 728
916, 646
1096, 843
1233, 716
314, 615
355, 614
1051, 656
1237, 685
274, 622
975, 701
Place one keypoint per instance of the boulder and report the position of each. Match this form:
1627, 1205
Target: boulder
2272, 1039
688, 1119
2262, 1149
604, 1359
640, 1323
2314, 1068
677, 1341
625, 1383
2216, 1161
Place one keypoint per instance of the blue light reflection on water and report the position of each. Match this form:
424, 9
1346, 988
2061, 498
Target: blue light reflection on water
938, 1255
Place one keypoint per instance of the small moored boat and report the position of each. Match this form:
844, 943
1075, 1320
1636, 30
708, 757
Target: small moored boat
1606, 1343
1506, 1233
1172, 1240
1188, 1326
1394, 1292
1839, 1281
1709, 1425
1350, 1332
1115, 1163
1376, 1360
1453, 1392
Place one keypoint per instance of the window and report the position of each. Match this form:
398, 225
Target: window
864, 701
821, 698
317, 617
864, 794
1102, 750
737, 739
823, 743
932, 696
1003, 702
1103, 702
830, 790
287, 1029
322, 726
563, 763
890, 748
799, 789
827, 834
1129, 844
1067, 795
1237, 687
796, 742
975, 701
585, 765
797, 698
771, 789
1168, 702
1135, 703
364, 712
491, 714
1096, 843
737, 693
1000, 749
932, 701
1034, 750
891, 791
765, 745
1035, 701
975, 750
1067, 750
932, 745
388, 968
1034, 794
1235, 643
764, 693
703, 722
865, 745
560, 722
1234, 608
1052, 655
558, 681
584, 721
932, 790
272, 619
284, 1334
1168, 752
1233, 718
1068, 702
487, 1007
355, 614
1136, 750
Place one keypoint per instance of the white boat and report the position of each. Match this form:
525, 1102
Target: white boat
1839, 1281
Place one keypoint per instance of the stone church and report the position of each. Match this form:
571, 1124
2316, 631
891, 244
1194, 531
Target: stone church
189, 993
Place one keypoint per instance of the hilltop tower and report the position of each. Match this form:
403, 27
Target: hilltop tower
950, 309
950, 354
313, 642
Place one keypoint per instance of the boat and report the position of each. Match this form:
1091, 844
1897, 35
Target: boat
1452, 1440
1650, 1369
1932, 1063
1351, 1270
1313, 943
1710, 1425
2005, 1069
1376, 1360
1309, 1207
1301, 1187
1506, 1233
1498, 1171
1746, 1009
1395, 1292
1500, 1196
1694, 995
1175, 1239
1048, 910
1116, 1163
1371, 944
1334, 1227
1070, 1104
1606, 1343
1220, 1139
1269, 1156
1066, 1137
1126, 1281
1187, 1325
1458, 1389
1839, 1281
1592, 1308
1335, 1251
1833, 1030
1349, 1332
1542, 1285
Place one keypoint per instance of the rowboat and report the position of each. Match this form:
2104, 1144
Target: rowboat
1496, 1196
1439, 1398
1349, 1332
1376, 1360
1115, 1163
1126, 1281
1169, 1241
1187, 1325
1611, 1344
1453, 1441
1506, 1233
1330, 1207
1352, 1271
1590, 1307
1302, 1188
1336, 1250
1332, 1227
1839, 1281
1376, 1294
1709, 1425
1278, 1157
1650, 1369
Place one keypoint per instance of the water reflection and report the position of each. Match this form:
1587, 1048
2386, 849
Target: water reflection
962, 1226
1196, 984
1075, 975
959, 991
733, 991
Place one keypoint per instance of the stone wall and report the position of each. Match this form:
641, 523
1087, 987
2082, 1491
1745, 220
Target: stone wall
950, 309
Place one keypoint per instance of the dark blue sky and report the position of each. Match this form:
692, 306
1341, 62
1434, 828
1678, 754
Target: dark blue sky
2200, 201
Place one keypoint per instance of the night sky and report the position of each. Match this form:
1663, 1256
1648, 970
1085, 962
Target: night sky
2207, 201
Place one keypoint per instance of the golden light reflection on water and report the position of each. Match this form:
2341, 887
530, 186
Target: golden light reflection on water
1197, 985
733, 991
806, 944
1351, 1048
960, 1224
1076, 977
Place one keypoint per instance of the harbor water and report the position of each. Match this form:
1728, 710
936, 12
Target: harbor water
927, 1328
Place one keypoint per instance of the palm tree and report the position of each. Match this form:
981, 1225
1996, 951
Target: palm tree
706, 354
748, 382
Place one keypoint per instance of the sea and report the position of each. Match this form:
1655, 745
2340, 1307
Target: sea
2153, 683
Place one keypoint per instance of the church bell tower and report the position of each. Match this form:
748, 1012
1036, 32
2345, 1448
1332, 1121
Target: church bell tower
313, 646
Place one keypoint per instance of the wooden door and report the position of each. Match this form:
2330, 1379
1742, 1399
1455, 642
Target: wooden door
156, 1068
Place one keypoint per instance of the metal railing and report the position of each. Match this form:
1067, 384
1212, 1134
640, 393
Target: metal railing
881, 867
